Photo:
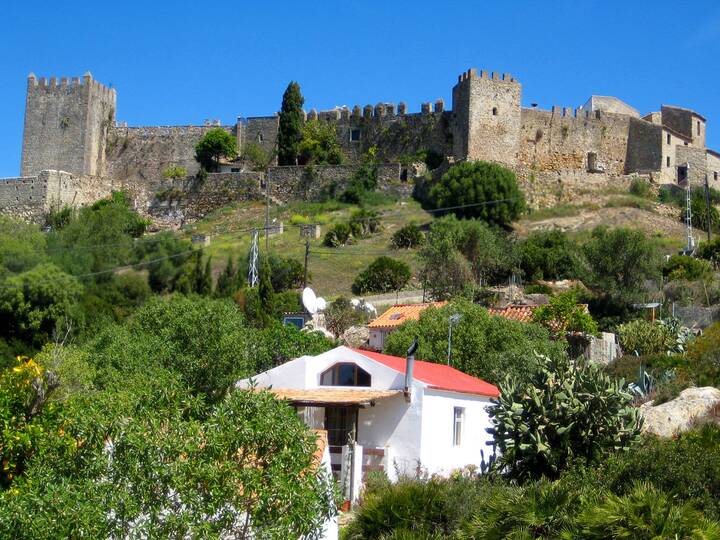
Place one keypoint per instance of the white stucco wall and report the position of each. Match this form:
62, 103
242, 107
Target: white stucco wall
439, 455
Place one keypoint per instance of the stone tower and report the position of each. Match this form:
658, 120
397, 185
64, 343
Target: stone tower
487, 117
66, 124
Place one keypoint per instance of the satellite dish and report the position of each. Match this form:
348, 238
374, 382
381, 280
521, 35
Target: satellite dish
320, 303
309, 300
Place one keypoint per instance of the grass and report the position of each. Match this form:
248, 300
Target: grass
630, 201
332, 270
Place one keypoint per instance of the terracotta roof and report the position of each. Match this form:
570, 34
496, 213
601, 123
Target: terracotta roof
332, 395
514, 313
438, 376
398, 314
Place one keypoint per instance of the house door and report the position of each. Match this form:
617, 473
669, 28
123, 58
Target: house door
341, 424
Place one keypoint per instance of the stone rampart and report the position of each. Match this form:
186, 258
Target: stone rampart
31, 197
182, 201
315, 183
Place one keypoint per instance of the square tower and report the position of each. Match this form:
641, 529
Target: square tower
66, 124
486, 109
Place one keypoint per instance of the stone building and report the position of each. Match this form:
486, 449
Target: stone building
70, 126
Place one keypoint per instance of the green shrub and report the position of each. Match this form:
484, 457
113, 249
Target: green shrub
338, 235
384, 274
566, 411
684, 267
364, 223
174, 172
645, 337
550, 255
640, 187
215, 145
319, 144
415, 509
491, 191
407, 237
710, 251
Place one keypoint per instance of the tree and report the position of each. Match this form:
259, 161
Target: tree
621, 260
319, 144
290, 125
550, 255
259, 158
482, 346
266, 292
22, 245
341, 315
170, 256
201, 277
227, 281
33, 304
565, 411
562, 314
490, 192
215, 145
384, 274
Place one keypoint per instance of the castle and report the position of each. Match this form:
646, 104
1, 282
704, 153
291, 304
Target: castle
74, 151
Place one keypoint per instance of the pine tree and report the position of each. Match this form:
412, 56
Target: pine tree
227, 281
290, 125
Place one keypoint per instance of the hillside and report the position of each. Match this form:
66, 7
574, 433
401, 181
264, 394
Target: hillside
332, 270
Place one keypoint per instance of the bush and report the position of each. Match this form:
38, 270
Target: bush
341, 315
338, 235
640, 187
562, 314
566, 411
384, 274
174, 172
417, 509
644, 337
710, 251
319, 144
684, 267
407, 237
477, 183
364, 223
550, 255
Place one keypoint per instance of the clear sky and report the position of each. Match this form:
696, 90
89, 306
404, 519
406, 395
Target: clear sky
180, 62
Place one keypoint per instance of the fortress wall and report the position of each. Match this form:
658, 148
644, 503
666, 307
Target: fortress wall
549, 188
314, 183
697, 159
23, 197
559, 139
260, 130
713, 170
137, 156
186, 200
65, 123
645, 147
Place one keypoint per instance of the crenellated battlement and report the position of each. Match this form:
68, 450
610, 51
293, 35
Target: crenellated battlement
484, 74
63, 83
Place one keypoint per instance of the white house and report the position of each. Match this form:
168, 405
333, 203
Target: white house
386, 413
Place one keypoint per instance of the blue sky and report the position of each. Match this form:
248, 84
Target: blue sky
178, 62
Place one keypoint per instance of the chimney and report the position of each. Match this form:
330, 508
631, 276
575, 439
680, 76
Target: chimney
409, 365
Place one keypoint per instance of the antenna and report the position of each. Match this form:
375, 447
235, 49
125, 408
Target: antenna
310, 301
253, 270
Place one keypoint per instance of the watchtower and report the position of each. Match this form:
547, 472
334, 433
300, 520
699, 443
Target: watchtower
66, 124
486, 110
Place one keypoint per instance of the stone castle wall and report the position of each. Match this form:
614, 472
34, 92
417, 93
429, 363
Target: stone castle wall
32, 197
66, 123
137, 156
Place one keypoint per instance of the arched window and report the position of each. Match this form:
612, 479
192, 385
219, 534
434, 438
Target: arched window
260, 137
345, 374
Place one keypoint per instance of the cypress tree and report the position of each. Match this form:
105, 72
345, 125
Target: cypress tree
206, 284
266, 292
290, 125
227, 281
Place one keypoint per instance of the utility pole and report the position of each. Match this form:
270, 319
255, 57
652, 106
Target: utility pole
307, 253
707, 204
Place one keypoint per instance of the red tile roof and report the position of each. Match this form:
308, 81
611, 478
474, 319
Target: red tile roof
514, 313
398, 314
437, 376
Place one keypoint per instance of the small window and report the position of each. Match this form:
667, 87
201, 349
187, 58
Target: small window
260, 137
667, 161
682, 174
354, 135
715, 176
458, 418
299, 322
592, 161
345, 374
668, 138
495, 111
698, 128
